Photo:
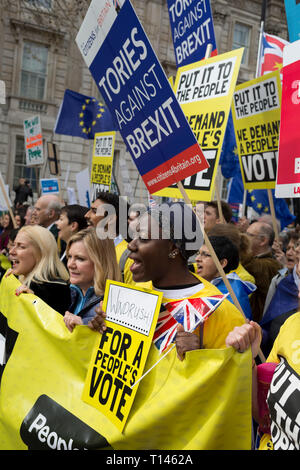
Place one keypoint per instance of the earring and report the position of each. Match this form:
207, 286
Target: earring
173, 254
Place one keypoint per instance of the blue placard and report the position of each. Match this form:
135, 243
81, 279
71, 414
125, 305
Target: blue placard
192, 30
292, 8
49, 186
138, 94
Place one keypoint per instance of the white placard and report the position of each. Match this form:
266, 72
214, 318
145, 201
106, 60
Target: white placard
33, 141
83, 187
131, 308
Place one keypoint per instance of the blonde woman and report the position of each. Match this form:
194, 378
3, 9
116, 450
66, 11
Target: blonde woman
91, 262
36, 263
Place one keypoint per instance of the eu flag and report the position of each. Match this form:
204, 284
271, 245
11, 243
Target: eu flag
83, 116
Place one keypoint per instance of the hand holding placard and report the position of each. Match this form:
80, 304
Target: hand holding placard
120, 354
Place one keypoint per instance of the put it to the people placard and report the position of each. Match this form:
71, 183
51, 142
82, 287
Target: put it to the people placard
102, 162
120, 353
256, 114
204, 90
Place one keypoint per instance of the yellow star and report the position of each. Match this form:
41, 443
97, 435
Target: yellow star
259, 205
252, 198
81, 114
266, 209
87, 101
99, 115
81, 123
83, 107
93, 123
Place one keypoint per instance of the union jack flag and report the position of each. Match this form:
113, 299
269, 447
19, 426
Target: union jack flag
188, 312
271, 54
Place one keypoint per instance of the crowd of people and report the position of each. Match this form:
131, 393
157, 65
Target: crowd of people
58, 253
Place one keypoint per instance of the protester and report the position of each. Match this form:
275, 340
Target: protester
161, 256
29, 217
104, 214
263, 266
91, 262
212, 215
288, 260
71, 220
36, 263
20, 219
228, 256
46, 211
23, 191
7, 225
282, 298
242, 242
283, 399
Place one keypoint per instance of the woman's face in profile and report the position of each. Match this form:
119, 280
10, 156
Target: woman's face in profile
22, 255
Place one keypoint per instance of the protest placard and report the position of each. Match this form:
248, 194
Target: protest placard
256, 114
102, 161
119, 356
138, 94
83, 187
288, 169
192, 30
49, 186
53, 159
33, 141
205, 90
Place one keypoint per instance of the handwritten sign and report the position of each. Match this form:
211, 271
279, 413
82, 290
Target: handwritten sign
121, 351
256, 115
33, 141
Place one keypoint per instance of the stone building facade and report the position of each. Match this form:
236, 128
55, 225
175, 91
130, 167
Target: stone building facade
39, 59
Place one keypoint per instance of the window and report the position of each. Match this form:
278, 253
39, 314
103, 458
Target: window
241, 38
20, 169
34, 71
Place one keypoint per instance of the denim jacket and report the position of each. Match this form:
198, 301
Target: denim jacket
84, 305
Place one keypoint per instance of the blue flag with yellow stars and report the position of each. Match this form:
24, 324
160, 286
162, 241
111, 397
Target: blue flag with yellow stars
83, 116
258, 199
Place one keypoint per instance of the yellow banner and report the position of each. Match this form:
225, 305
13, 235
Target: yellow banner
203, 402
256, 111
102, 162
204, 90
119, 356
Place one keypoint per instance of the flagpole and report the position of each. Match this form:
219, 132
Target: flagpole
258, 61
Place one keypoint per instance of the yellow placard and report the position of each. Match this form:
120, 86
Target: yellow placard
256, 110
204, 90
120, 354
102, 162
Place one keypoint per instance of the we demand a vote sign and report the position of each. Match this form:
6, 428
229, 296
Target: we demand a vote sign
138, 94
